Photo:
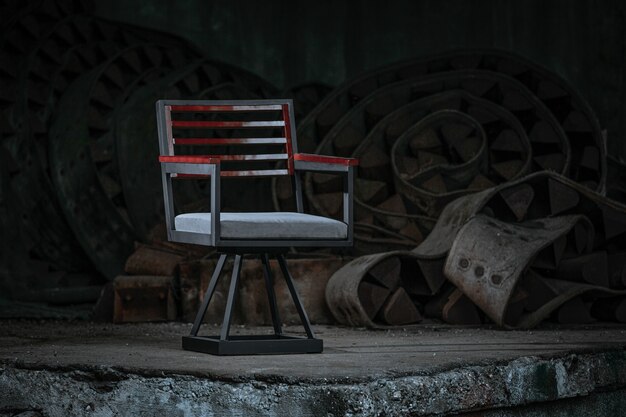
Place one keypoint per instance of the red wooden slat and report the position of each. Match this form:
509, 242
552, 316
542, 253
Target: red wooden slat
189, 159
227, 124
323, 159
216, 108
229, 141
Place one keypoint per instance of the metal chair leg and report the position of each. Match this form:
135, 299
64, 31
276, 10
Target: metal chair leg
296, 298
271, 295
230, 302
224, 344
208, 295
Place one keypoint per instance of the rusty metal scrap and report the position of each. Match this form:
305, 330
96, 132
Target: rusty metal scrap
527, 118
539, 247
446, 145
435, 139
488, 259
364, 291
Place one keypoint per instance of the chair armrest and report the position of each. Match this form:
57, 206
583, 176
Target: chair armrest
312, 162
190, 165
343, 166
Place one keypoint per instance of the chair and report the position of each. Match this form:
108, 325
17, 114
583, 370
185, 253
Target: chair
261, 131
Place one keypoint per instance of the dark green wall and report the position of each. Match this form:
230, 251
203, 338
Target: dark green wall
291, 42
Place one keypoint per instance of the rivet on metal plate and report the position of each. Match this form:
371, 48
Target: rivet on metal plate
496, 279
464, 263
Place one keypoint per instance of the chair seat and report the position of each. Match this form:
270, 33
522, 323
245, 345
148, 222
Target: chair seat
265, 225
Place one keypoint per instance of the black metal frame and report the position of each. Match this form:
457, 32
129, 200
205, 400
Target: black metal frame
276, 343
224, 344
170, 169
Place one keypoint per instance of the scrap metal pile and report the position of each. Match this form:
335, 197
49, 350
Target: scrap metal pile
507, 160
479, 193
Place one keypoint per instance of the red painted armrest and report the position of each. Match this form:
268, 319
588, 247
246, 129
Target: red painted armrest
323, 159
189, 159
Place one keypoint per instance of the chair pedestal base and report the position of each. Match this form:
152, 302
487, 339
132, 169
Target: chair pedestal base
252, 345
278, 343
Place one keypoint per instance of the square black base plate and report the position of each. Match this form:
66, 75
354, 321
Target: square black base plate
252, 345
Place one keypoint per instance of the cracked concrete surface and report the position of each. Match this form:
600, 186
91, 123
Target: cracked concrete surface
59, 368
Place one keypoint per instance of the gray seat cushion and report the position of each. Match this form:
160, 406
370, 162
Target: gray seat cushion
275, 225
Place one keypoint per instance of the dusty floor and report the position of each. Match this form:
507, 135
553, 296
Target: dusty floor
52, 366
357, 354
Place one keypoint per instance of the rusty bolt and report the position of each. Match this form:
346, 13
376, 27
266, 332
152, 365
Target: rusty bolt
479, 271
464, 263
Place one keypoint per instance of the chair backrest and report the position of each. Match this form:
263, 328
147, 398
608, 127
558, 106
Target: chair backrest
248, 136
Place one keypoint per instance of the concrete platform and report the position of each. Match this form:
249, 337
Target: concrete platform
79, 368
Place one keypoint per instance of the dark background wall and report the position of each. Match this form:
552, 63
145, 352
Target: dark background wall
292, 42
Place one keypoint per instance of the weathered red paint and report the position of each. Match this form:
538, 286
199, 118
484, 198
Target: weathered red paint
189, 159
286, 140
191, 108
323, 159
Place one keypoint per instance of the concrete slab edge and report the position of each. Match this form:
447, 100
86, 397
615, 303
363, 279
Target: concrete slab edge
519, 382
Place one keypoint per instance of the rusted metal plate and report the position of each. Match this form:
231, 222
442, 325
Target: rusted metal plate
140, 298
490, 202
490, 280
510, 256
565, 266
